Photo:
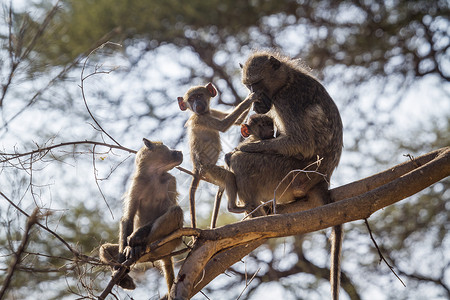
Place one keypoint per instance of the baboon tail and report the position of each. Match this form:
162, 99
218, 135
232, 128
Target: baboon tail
335, 271
216, 208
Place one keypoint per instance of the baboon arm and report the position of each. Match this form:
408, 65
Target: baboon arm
242, 117
220, 115
126, 228
137, 242
284, 145
127, 223
222, 125
140, 235
172, 190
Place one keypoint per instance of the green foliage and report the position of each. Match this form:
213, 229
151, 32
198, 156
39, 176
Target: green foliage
399, 37
84, 24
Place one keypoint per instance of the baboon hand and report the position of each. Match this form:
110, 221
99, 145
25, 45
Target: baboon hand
138, 237
122, 258
134, 252
137, 242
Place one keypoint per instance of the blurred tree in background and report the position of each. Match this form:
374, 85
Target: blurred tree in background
386, 64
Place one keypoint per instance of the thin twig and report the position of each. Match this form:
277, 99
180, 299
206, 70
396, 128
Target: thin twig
83, 78
43, 151
380, 254
17, 60
195, 232
32, 219
96, 182
204, 295
247, 284
47, 149
258, 207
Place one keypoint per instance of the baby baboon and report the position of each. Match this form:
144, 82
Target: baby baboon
310, 127
204, 126
258, 127
150, 212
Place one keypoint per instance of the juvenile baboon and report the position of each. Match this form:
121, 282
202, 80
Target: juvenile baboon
310, 127
204, 126
150, 211
258, 127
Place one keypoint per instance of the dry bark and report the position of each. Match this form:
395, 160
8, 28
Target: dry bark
216, 250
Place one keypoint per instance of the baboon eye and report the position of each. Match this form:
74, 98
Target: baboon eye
195, 97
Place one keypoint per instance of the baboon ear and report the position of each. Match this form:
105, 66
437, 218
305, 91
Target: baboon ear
245, 131
182, 104
275, 63
211, 89
148, 144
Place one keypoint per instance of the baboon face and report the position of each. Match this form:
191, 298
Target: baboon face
260, 75
260, 126
197, 99
155, 156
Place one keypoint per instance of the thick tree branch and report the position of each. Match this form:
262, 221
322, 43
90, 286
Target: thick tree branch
230, 243
217, 249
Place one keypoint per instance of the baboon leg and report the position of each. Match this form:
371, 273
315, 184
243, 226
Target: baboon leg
109, 254
162, 227
318, 195
225, 179
192, 190
255, 209
169, 274
167, 223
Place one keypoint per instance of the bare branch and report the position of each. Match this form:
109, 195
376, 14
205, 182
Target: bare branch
43, 151
381, 254
217, 249
83, 78
247, 283
96, 182
32, 219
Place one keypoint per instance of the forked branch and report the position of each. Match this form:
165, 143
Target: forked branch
217, 249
